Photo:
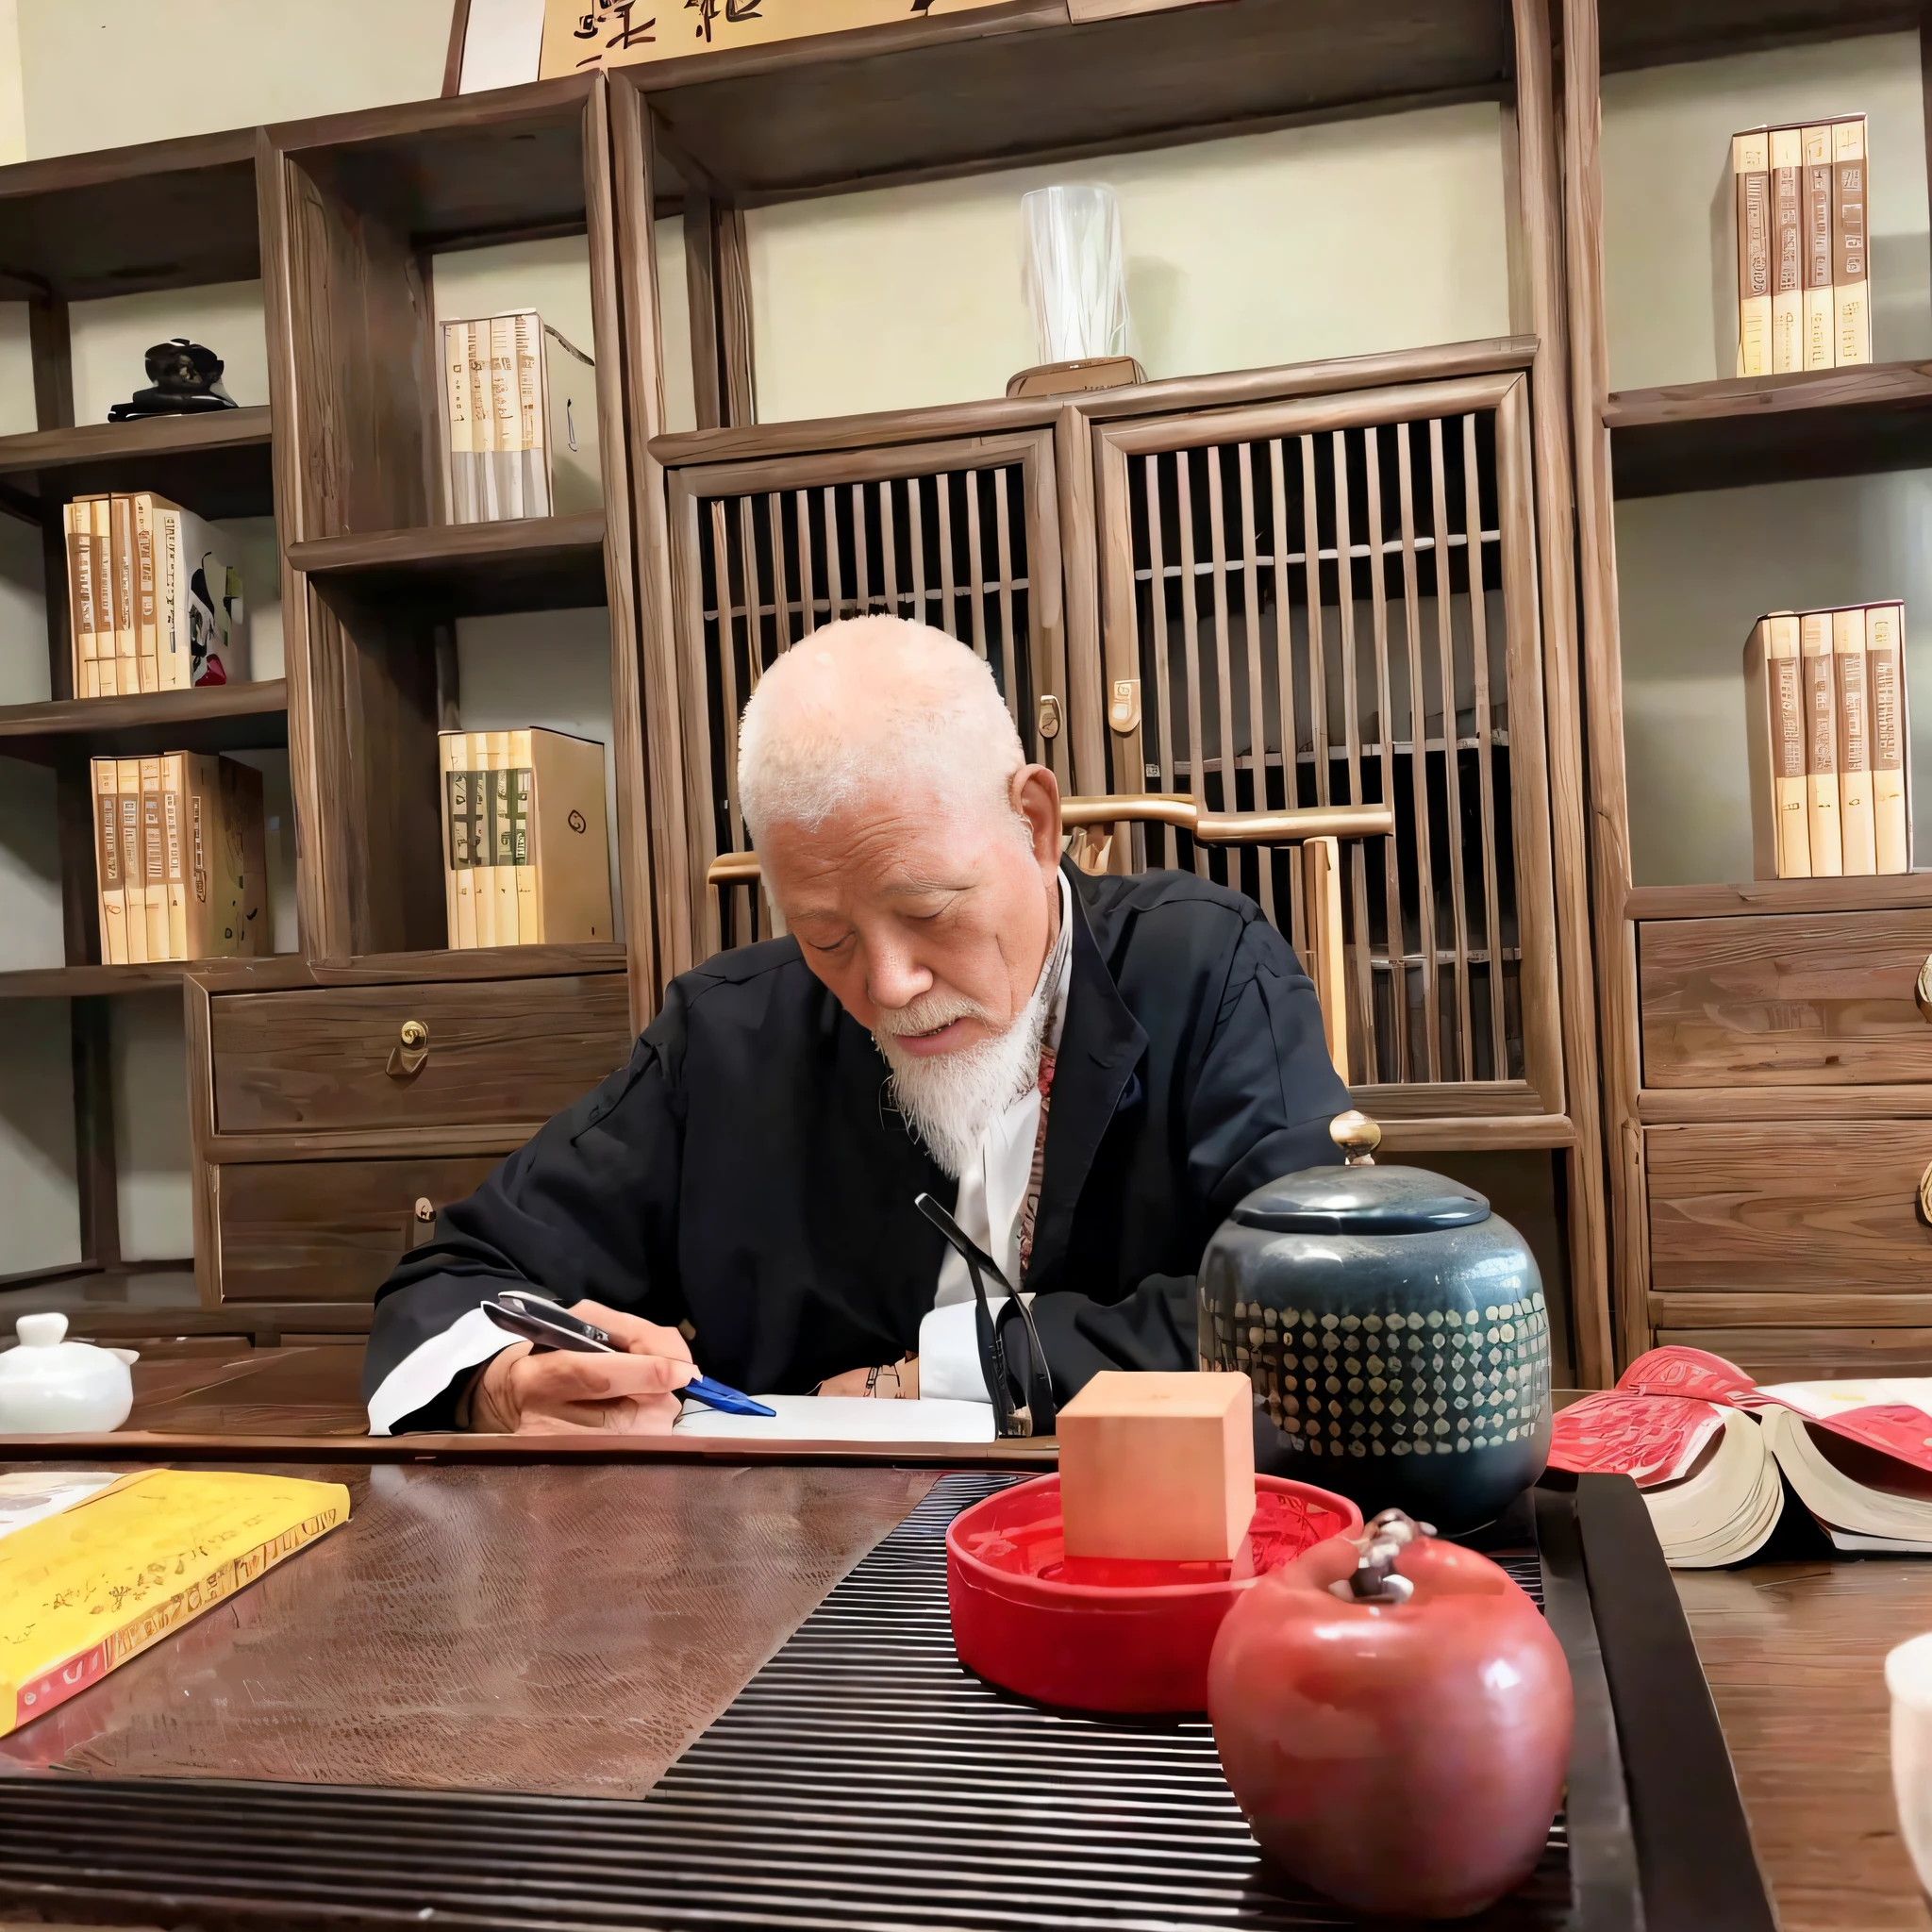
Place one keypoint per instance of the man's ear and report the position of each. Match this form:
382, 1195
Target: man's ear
1036, 797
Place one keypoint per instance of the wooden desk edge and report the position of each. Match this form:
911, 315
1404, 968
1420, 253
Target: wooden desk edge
1042, 1453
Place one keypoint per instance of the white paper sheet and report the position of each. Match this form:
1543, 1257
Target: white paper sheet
847, 1419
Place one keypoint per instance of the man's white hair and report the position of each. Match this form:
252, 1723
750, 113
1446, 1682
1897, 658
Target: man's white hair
870, 703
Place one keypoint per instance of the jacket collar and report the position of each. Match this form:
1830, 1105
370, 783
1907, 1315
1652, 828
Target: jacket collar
1100, 1046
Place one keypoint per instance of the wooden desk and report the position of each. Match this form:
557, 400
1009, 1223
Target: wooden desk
540, 1628
632, 1599
1794, 1653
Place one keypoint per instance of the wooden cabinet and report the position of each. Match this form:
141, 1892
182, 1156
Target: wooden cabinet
398, 1057
326, 1230
331, 1123
1785, 1001
1779, 1159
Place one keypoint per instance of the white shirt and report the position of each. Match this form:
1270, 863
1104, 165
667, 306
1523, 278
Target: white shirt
992, 1192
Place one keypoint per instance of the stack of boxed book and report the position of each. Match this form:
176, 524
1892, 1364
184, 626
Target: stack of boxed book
151, 605
1804, 287
526, 859
499, 434
179, 855
1826, 719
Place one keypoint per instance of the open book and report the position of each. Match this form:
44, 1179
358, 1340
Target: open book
1713, 1453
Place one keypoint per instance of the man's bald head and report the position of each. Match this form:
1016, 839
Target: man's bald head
914, 854
875, 706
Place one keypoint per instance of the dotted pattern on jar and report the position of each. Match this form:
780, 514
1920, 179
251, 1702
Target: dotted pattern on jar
1429, 1384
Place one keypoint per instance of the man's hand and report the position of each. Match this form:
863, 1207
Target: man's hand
630, 1394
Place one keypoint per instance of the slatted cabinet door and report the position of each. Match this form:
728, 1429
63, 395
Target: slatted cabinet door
962, 535
1333, 601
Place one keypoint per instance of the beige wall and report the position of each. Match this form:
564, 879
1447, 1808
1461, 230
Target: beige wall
1693, 574
1334, 240
104, 73
1669, 221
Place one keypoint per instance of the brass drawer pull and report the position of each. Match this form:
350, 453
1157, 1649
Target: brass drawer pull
411, 1050
420, 1225
1922, 993
1925, 1197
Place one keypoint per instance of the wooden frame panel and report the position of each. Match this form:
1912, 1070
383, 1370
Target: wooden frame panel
1293, 433
801, 503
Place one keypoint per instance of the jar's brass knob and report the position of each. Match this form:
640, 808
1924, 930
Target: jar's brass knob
1357, 1137
1922, 993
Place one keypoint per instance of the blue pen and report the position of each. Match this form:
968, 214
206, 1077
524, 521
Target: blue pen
545, 1324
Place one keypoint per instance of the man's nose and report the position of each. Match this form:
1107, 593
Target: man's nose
893, 976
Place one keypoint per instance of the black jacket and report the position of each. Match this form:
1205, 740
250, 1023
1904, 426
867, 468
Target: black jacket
745, 1170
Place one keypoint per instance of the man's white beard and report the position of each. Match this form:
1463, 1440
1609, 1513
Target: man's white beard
949, 1099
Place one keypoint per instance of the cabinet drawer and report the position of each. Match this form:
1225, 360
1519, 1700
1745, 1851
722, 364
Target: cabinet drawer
1818, 1000
496, 1050
1817, 1209
326, 1230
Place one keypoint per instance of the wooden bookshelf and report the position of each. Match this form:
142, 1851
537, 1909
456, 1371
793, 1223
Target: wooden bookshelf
465, 569
221, 717
1770, 428
217, 465
968, 92
1762, 1052
1782, 898
347, 216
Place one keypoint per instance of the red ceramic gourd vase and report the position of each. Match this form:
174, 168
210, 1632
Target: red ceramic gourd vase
1394, 1720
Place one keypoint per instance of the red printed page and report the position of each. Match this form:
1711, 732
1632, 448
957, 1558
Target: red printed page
1651, 1438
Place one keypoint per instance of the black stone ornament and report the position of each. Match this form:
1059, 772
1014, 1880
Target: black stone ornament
186, 381
1391, 1324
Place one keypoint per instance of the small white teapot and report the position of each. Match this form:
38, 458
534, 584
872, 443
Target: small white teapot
52, 1387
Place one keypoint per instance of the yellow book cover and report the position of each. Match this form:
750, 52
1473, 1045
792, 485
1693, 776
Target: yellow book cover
1856, 825
1751, 166
503, 862
126, 631
1850, 268
107, 785
146, 634
480, 844
1821, 744
1788, 250
458, 885
523, 851
133, 865
101, 547
1781, 840
1885, 680
154, 858
1821, 328
173, 797
83, 1591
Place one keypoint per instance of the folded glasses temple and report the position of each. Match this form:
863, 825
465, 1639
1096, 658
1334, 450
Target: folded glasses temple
1039, 1415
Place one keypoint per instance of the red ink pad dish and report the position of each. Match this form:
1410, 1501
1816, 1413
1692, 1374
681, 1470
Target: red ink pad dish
1110, 1634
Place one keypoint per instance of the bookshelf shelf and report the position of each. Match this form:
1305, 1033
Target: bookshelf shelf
464, 570
942, 96
1770, 428
166, 214
216, 465
1655, 33
481, 962
227, 717
1900, 891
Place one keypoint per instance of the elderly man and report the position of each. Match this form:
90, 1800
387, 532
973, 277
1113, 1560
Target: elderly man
1092, 1070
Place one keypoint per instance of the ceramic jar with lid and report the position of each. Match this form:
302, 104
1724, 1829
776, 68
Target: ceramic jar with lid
52, 1387
1393, 1326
